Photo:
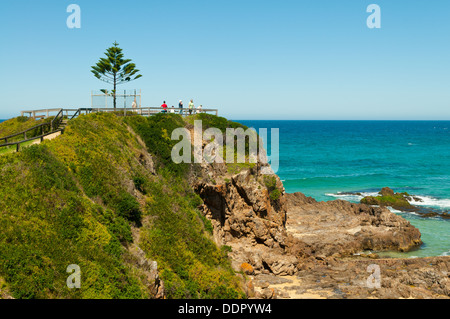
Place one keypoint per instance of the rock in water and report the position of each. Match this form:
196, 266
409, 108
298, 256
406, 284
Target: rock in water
387, 198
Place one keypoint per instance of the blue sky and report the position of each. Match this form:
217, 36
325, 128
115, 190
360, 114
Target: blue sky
251, 59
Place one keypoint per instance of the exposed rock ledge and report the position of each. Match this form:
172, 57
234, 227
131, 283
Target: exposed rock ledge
295, 247
342, 228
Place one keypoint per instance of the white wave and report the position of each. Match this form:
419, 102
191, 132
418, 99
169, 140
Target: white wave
347, 197
374, 194
393, 210
351, 197
396, 211
431, 202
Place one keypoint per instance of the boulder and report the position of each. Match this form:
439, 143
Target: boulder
389, 198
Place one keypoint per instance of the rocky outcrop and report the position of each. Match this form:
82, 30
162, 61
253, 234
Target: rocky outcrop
246, 218
342, 228
147, 269
387, 197
335, 278
403, 202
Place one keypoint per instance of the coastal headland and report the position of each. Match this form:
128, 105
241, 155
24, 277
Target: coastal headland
106, 196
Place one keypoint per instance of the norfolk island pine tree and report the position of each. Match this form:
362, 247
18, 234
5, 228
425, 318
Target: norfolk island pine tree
114, 69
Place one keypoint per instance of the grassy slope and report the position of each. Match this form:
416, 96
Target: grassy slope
20, 124
75, 199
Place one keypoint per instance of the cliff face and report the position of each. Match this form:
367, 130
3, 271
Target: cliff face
249, 221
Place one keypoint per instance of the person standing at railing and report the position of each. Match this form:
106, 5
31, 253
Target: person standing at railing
164, 106
199, 110
180, 106
191, 106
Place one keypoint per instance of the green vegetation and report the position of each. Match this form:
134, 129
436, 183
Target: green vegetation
209, 120
271, 184
156, 132
12, 148
81, 198
388, 198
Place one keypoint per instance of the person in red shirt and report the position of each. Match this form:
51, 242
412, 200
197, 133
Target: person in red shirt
164, 106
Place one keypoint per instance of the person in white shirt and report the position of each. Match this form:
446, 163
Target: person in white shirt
199, 109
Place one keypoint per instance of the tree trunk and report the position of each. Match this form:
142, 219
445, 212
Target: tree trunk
114, 92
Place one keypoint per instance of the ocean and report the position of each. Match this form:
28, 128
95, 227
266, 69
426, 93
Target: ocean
326, 159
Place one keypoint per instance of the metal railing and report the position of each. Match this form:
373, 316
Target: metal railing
45, 113
147, 111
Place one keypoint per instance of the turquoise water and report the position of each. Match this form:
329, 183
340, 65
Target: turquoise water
323, 159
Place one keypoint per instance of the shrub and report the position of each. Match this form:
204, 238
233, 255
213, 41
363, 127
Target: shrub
128, 207
275, 195
139, 182
271, 183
